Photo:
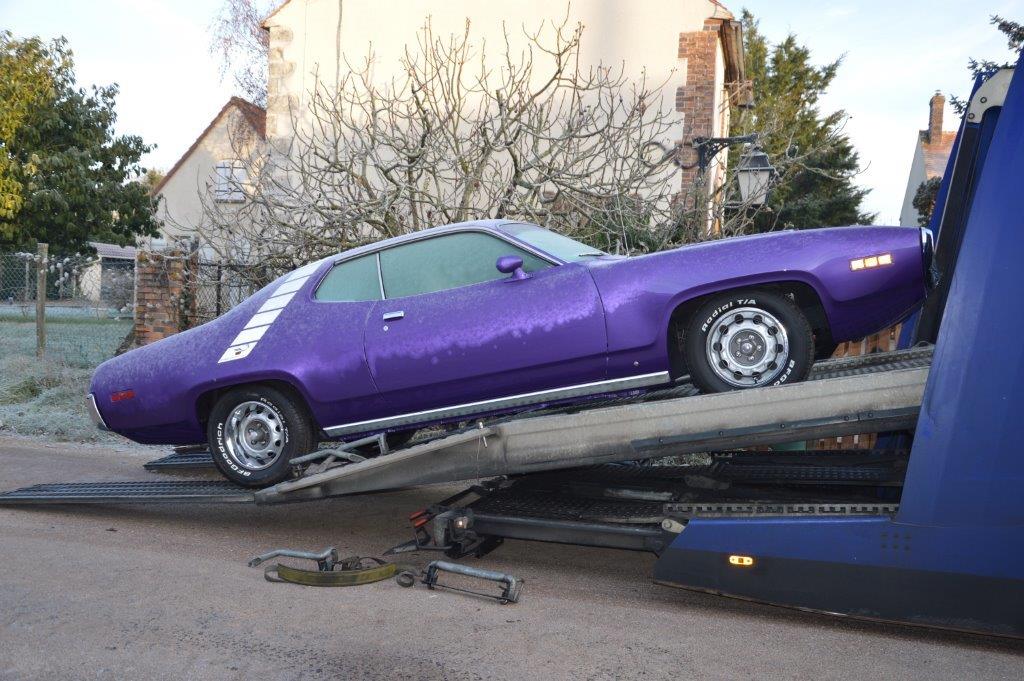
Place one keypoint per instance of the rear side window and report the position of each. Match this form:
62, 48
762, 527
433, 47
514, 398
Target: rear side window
449, 261
351, 281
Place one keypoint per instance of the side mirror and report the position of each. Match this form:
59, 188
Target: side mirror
511, 264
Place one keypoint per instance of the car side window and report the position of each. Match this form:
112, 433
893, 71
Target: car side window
351, 281
448, 261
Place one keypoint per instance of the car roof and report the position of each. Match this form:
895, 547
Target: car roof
485, 225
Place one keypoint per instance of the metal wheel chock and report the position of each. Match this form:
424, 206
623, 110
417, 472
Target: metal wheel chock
511, 586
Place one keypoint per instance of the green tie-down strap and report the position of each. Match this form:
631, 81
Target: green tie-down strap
348, 572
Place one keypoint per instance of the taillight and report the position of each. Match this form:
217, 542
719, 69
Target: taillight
122, 395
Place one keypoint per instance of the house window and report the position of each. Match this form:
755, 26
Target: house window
229, 181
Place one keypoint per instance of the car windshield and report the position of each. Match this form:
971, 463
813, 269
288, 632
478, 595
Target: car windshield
562, 247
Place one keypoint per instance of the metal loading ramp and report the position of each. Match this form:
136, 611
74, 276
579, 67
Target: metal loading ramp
147, 492
847, 396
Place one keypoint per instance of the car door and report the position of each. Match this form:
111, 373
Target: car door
453, 330
333, 364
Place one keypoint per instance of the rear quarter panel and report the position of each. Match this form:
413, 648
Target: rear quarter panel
317, 349
640, 293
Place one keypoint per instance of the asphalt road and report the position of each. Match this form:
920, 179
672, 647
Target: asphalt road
164, 592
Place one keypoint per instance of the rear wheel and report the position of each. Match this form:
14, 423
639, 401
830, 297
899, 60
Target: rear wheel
255, 432
747, 339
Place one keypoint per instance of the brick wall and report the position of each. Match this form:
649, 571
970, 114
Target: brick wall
161, 295
883, 341
696, 98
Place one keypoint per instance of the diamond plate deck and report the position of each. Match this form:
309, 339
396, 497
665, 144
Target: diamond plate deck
176, 461
142, 492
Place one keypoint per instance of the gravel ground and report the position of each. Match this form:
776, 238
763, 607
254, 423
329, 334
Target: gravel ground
164, 592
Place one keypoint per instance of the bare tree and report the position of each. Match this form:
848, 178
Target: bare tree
533, 135
241, 45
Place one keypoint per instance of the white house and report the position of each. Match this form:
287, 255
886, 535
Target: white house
693, 46
209, 170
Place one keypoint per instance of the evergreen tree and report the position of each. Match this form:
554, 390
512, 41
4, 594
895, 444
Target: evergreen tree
65, 177
1014, 32
924, 199
819, 189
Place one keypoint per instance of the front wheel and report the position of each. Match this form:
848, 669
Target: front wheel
255, 432
748, 339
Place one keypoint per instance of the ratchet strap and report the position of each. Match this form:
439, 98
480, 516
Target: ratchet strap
347, 572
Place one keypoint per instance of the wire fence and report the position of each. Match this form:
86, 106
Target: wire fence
87, 304
215, 288
76, 286
90, 300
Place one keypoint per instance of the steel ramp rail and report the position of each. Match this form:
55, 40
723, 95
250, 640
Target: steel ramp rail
866, 394
142, 492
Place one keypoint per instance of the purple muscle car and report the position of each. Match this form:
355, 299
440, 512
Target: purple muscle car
479, 318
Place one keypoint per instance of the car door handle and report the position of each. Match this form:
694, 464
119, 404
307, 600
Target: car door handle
392, 316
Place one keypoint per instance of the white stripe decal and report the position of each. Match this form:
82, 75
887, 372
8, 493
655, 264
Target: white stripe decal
250, 335
263, 319
289, 286
237, 352
271, 309
276, 303
304, 271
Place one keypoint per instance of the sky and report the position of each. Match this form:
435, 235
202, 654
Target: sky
895, 54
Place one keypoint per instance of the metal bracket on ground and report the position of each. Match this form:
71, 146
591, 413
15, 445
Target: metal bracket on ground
511, 586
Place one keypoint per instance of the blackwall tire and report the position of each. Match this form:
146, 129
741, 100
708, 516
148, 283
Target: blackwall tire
748, 339
254, 432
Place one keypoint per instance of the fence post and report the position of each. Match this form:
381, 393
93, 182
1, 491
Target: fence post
41, 256
220, 275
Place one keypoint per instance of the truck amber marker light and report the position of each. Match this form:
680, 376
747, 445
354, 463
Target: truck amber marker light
741, 561
871, 262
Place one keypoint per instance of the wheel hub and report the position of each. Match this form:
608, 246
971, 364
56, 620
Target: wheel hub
254, 435
747, 347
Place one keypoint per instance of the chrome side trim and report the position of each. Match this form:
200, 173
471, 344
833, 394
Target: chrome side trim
525, 399
380, 276
94, 413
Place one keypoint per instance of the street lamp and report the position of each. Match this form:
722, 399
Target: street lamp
754, 173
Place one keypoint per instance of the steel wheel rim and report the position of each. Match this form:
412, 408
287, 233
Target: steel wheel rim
747, 347
254, 435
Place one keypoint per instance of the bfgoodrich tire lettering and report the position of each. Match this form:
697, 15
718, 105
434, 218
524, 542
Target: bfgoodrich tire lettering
254, 432
747, 339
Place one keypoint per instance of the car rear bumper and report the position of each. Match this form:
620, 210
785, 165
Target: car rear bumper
94, 412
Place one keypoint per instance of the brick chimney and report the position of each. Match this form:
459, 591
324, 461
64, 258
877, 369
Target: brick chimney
935, 106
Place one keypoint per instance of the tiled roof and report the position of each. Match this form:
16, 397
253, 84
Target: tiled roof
113, 251
255, 115
936, 153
